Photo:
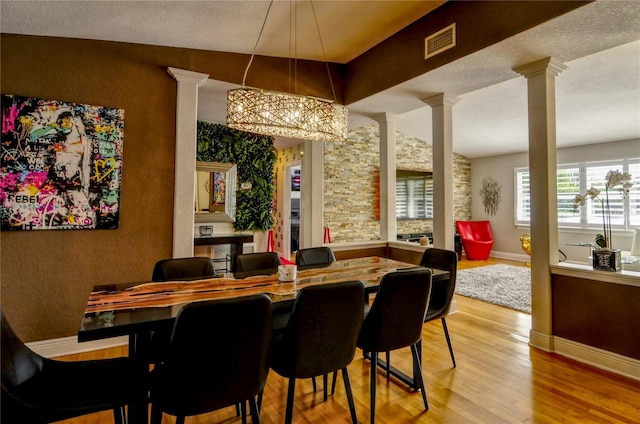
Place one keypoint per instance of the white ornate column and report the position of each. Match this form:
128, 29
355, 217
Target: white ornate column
388, 222
185, 161
540, 77
442, 128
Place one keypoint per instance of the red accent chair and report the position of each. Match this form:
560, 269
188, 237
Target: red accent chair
477, 239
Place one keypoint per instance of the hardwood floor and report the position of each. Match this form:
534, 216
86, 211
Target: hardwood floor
499, 379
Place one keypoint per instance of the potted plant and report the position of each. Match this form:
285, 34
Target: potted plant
605, 257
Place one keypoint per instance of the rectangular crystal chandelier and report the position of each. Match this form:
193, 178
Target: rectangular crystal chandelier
286, 115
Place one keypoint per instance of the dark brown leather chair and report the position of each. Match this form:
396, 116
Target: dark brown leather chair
40, 390
395, 321
314, 257
442, 292
320, 337
251, 264
183, 269
176, 269
218, 357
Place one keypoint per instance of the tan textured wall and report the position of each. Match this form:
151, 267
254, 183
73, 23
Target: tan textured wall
46, 276
352, 175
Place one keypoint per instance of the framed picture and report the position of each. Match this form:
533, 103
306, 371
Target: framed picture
61, 165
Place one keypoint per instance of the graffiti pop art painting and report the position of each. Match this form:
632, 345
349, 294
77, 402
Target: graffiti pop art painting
61, 165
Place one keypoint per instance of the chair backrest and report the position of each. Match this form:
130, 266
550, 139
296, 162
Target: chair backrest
397, 314
19, 364
314, 257
183, 269
441, 292
474, 230
322, 331
217, 356
250, 264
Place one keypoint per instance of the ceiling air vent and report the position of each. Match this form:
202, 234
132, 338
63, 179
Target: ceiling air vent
440, 41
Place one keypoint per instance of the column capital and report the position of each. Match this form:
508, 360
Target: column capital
441, 99
546, 65
385, 117
182, 75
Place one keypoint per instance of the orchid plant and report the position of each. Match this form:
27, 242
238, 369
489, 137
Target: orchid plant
614, 181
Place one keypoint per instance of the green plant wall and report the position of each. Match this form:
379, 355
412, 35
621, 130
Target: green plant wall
254, 156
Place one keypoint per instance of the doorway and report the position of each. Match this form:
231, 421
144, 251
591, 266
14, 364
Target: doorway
295, 179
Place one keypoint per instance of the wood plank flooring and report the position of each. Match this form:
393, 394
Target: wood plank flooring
499, 379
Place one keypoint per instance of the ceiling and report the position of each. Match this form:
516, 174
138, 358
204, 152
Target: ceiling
598, 96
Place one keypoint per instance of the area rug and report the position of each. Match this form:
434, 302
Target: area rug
503, 285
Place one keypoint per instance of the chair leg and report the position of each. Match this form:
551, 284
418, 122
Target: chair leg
374, 369
118, 415
388, 363
255, 411
156, 415
243, 412
347, 388
446, 334
237, 409
324, 382
180, 419
418, 367
292, 388
313, 381
333, 383
260, 395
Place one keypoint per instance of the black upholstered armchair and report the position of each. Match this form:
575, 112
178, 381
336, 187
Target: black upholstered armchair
40, 390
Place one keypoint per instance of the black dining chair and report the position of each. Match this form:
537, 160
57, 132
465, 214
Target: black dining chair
395, 321
251, 264
218, 357
320, 337
176, 269
442, 292
41, 390
314, 257
183, 269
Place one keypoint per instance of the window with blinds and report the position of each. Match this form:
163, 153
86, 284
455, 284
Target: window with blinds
414, 195
577, 179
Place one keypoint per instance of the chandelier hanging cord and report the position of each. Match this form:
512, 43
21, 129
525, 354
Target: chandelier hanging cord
324, 54
253, 53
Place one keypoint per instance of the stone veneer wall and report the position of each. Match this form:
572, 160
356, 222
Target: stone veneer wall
352, 184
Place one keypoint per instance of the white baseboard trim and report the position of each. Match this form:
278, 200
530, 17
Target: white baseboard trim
70, 346
541, 341
598, 358
510, 256
453, 306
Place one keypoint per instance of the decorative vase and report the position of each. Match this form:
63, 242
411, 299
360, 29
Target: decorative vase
607, 260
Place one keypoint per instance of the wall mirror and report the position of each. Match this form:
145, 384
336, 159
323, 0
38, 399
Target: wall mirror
215, 194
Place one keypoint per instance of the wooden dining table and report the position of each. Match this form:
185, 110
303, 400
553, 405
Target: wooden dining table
138, 309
